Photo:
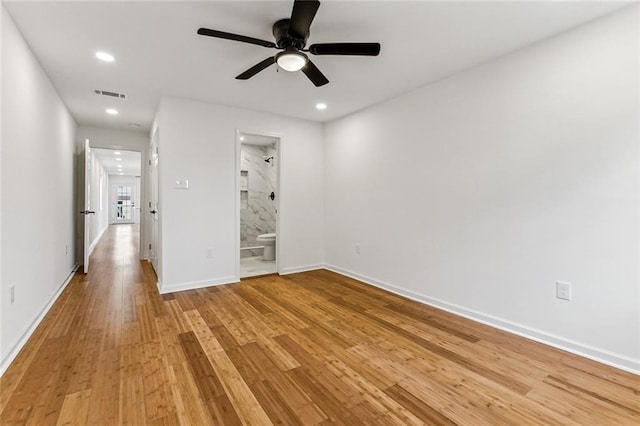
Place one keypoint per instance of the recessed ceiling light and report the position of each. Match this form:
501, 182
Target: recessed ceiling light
118, 159
112, 111
117, 152
241, 138
321, 106
121, 174
104, 56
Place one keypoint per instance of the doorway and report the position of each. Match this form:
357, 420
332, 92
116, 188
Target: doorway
258, 194
113, 184
124, 199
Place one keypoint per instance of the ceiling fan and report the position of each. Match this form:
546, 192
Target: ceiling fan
291, 37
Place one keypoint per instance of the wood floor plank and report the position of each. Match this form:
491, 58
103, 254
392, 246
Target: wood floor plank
578, 408
104, 403
190, 406
620, 396
207, 381
392, 411
276, 407
312, 348
290, 393
596, 396
158, 402
132, 400
245, 403
75, 409
415, 405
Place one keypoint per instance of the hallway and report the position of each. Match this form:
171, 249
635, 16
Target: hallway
69, 369
308, 348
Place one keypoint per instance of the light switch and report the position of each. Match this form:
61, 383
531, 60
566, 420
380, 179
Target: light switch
181, 184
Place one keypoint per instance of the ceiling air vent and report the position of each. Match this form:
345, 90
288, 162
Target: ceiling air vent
112, 94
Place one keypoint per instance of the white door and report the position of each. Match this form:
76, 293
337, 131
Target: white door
153, 203
87, 213
123, 208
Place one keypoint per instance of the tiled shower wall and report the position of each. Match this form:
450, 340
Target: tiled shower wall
257, 180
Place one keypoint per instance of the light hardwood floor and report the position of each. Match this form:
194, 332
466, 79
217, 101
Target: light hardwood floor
309, 348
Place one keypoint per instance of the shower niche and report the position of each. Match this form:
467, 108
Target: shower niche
244, 189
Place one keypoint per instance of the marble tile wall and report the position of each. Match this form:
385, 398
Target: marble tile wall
257, 210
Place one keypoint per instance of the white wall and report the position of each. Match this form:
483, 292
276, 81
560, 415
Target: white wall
37, 210
197, 142
478, 192
101, 137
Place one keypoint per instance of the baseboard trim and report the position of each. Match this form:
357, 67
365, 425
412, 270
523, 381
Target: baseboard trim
172, 288
602, 356
15, 350
95, 242
297, 269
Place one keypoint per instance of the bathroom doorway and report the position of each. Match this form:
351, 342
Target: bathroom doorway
258, 178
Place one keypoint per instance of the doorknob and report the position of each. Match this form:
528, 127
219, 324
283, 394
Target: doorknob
86, 212
153, 211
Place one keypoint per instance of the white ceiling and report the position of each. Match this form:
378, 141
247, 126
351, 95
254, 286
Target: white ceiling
159, 53
129, 161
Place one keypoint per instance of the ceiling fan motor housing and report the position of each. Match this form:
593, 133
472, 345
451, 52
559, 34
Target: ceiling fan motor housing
284, 39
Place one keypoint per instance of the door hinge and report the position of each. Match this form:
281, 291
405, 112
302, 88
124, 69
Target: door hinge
149, 246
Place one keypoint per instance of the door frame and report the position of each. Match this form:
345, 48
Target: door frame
82, 200
154, 204
279, 148
144, 197
86, 208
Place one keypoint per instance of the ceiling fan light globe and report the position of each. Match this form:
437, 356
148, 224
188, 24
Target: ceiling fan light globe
291, 61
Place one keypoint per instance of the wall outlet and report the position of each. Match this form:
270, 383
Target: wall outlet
66, 249
357, 248
12, 293
181, 184
209, 252
563, 290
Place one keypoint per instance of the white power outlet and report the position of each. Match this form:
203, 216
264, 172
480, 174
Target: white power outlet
563, 290
66, 249
12, 292
357, 248
209, 252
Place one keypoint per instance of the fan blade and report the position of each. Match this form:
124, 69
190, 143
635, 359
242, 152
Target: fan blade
358, 49
235, 37
301, 17
314, 74
256, 69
